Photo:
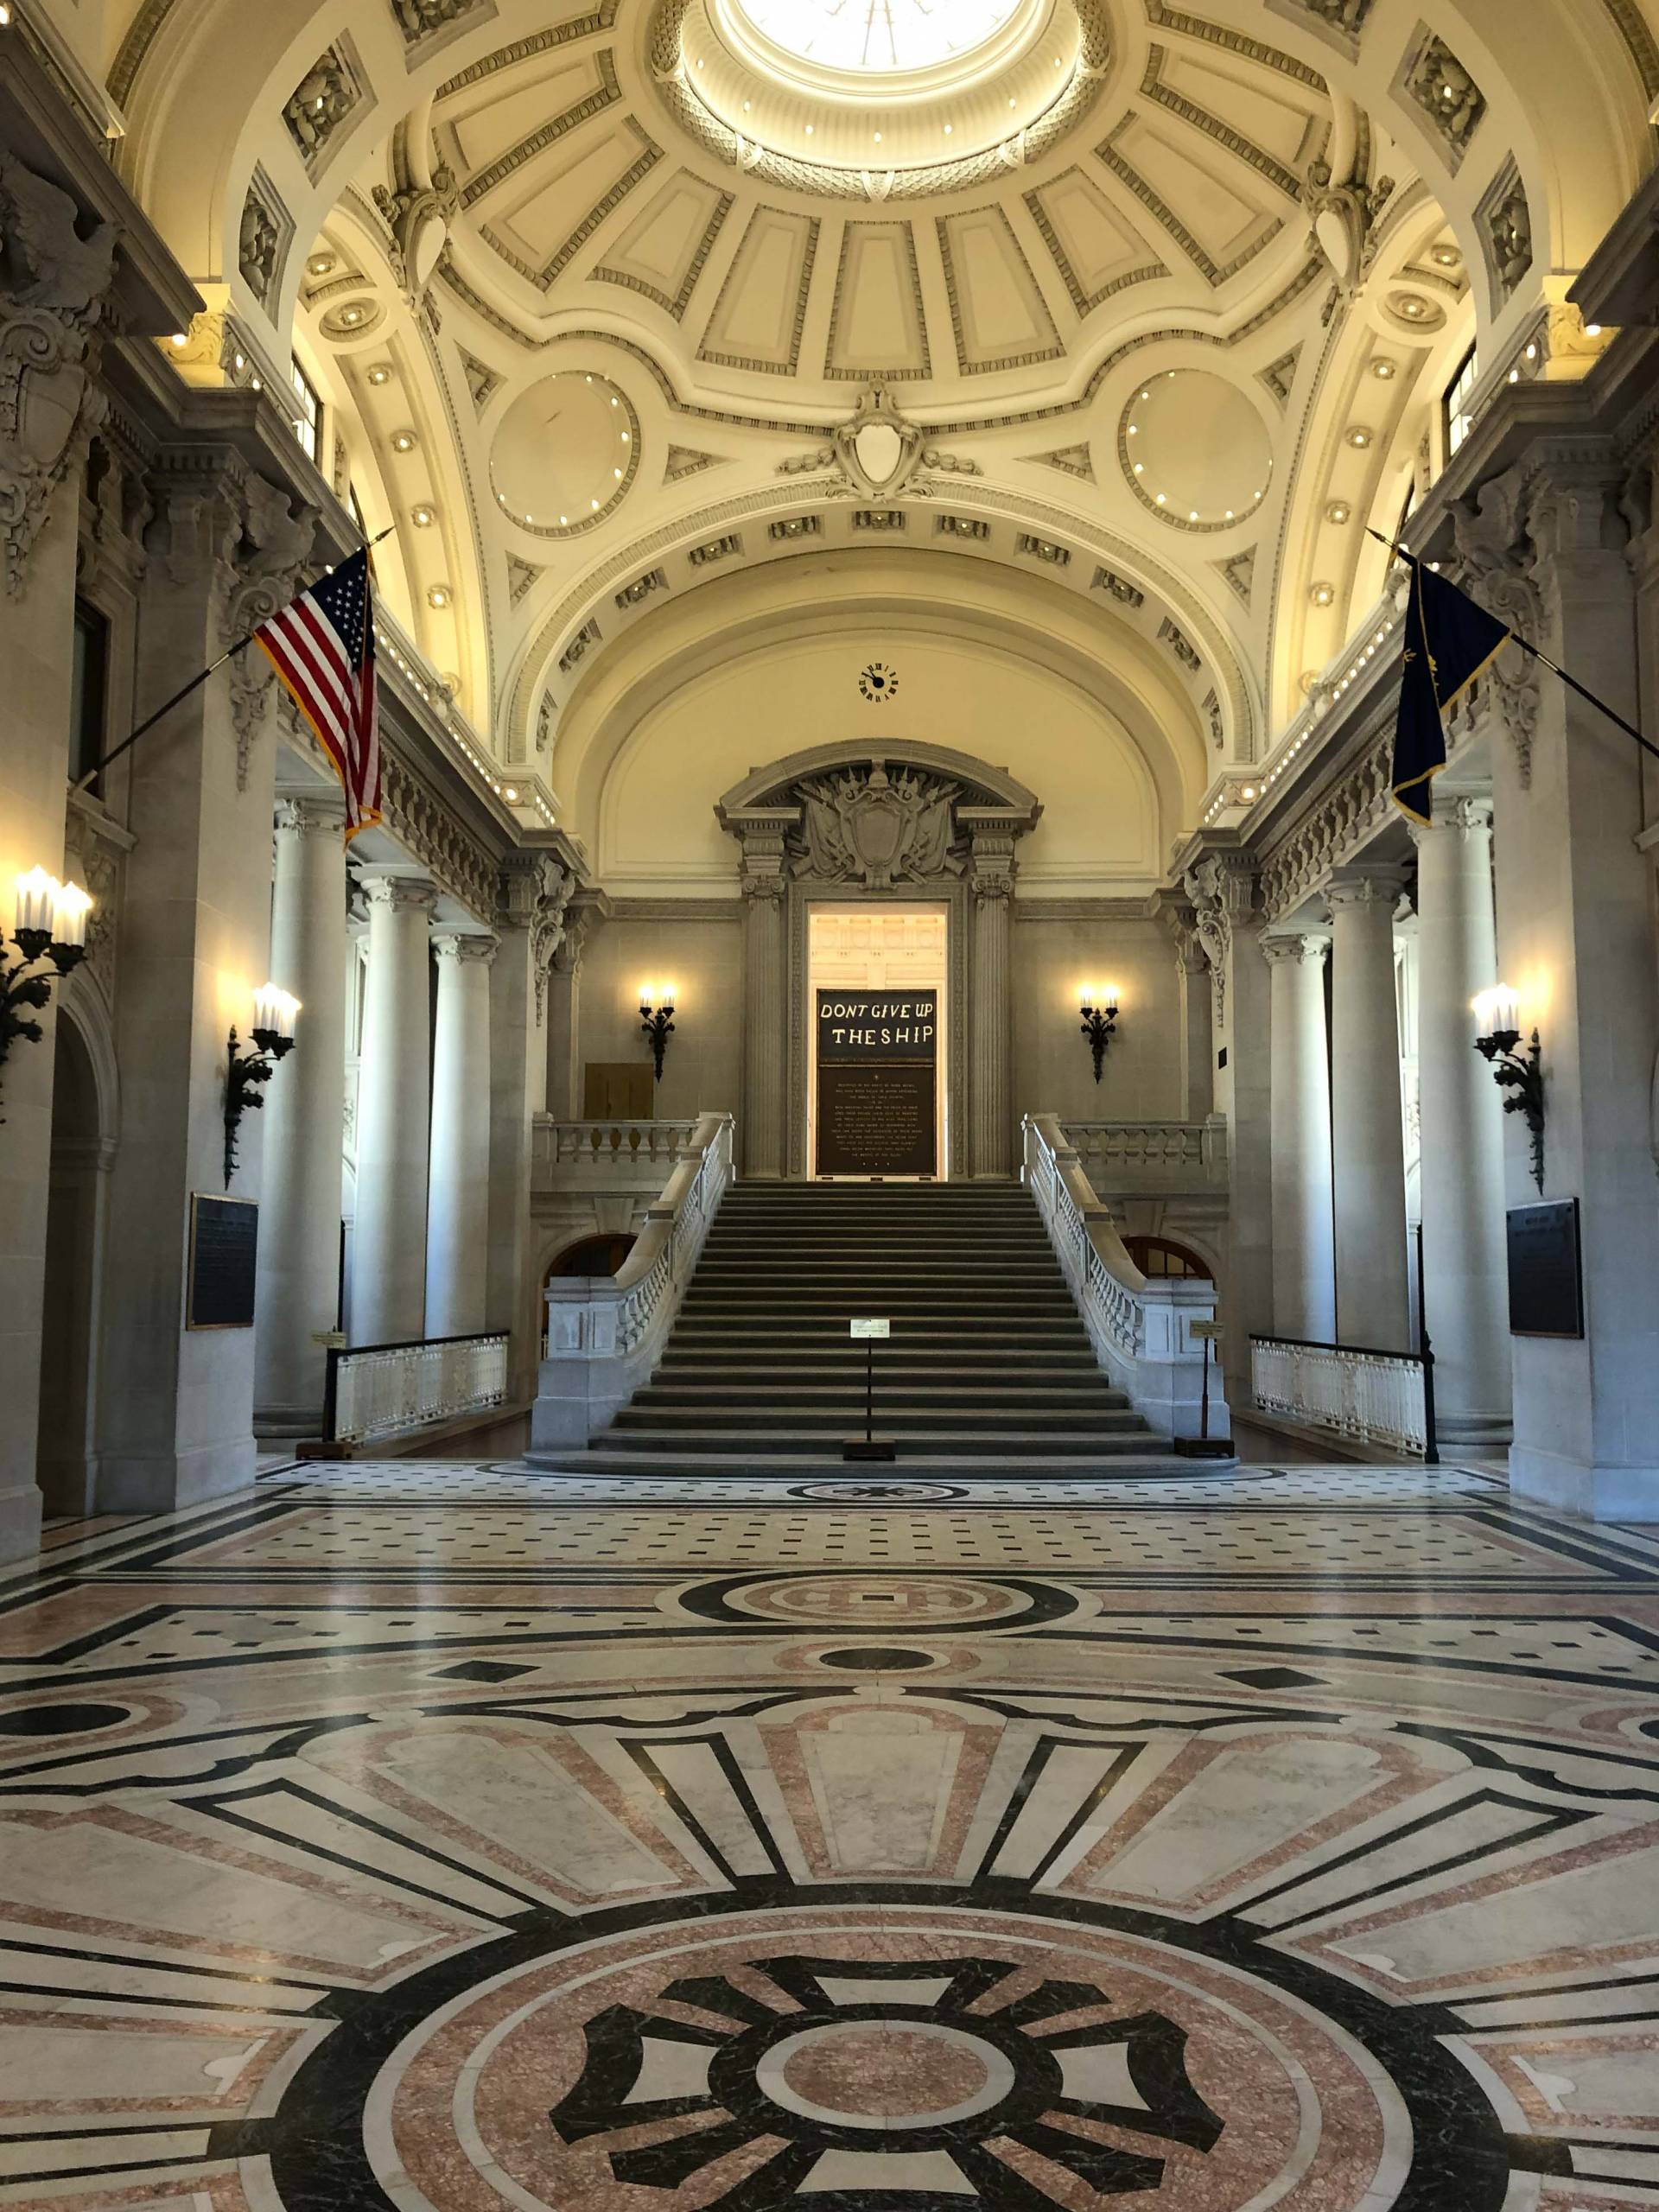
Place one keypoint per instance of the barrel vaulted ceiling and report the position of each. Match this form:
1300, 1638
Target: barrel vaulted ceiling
614, 303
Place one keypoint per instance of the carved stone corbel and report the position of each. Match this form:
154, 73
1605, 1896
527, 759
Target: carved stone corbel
1494, 566
54, 289
1221, 887
276, 547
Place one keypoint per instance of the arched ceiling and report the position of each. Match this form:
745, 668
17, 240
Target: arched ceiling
1160, 299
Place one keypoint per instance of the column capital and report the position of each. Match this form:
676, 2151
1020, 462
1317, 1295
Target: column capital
1461, 816
308, 813
470, 946
1306, 947
403, 894
1363, 888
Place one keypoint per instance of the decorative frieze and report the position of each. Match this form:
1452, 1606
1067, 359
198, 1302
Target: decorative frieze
1446, 93
54, 288
1183, 648
793, 526
968, 526
571, 658
325, 99
428, 829
261, 238
1504, 224
1044, 550
640, 589
1120, 588
879, 519
419, 19
717, 548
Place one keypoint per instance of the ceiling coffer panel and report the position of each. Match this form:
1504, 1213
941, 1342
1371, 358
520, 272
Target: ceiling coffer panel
1097, 251
761, 311
1218, 211
666, 248
878, 326
998, 314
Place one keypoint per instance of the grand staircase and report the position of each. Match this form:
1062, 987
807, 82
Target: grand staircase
989, 1371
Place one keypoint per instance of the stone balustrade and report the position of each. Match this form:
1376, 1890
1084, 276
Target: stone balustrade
1132, 1159
606, 1335
1141, 1328
605, 1155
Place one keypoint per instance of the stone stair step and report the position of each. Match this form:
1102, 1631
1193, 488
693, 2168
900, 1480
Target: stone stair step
965, 1443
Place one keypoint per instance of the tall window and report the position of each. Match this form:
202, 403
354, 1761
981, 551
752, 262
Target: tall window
1458, 393
88, 692
308, 426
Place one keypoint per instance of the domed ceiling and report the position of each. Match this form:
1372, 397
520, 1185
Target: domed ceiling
613, 303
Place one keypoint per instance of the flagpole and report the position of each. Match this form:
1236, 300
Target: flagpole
194, 685
1538, 654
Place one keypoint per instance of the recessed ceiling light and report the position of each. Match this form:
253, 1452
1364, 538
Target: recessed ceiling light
1383, 369
438, 596
423, 517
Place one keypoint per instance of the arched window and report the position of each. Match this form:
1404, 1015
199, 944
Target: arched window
1160, 1260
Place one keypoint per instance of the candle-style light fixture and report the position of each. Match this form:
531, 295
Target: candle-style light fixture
49, 933
1498, 1024
656, 1019
245, 1073
1097, 1002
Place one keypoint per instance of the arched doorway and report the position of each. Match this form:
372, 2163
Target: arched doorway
601, 1255
66, 1465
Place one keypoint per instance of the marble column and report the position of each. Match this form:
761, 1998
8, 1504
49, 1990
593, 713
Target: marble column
1373, 1294
1304, 1255
393, 1115
298, 1296
765, 927
458, 1184
533, 896
1465, 1268
990, 1072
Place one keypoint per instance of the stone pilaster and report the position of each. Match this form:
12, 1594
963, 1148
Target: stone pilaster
990, 1074
458, 1182
1373, 1293
534, 897
299, 1227
393, 1117
1575, 938
1303, 1256
564, 1071
1466, 1284
176, 1405
762, 1134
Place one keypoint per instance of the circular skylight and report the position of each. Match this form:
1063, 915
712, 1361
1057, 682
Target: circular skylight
878, 37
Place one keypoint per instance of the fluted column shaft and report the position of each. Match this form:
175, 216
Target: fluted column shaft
298, 1295
1465, 1280
1373, 1294
458, 1188
393, 1117
1304, 1255
762, 1136
990, 1086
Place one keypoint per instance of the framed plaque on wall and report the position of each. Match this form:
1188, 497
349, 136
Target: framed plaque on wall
1545, 1272
878, 1055
224, 1249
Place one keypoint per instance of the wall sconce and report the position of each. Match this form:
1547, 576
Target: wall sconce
50, 926
1497, 1020
656, 1019
1097, 1002
274, 1013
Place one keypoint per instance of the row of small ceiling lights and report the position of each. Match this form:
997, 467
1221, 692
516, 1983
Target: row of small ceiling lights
1161, 498
1250, 792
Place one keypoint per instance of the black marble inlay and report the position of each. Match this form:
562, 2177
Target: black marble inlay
480, 1670
61, 1719
875, 1658
1274, 1678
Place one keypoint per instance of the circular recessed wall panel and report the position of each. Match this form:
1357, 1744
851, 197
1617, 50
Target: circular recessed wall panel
1195, 450
565, 453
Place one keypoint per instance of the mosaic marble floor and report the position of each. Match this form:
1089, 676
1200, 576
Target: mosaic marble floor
435, 1837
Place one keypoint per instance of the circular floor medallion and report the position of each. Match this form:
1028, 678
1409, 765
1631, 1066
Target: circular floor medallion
874, 2054
61, 1719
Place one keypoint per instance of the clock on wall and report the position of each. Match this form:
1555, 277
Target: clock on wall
879, 682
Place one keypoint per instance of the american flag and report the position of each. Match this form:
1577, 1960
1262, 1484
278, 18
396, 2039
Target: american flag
322, 647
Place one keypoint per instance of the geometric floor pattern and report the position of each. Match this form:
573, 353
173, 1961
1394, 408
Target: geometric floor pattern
445, 1838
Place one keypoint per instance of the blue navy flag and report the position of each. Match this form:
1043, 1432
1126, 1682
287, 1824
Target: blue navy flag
322, 647
1448, 641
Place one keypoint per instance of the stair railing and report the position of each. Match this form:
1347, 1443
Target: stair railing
606, 1334
1140, 1327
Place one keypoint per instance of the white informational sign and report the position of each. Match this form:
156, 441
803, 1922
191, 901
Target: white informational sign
875, 1330
1201, 1330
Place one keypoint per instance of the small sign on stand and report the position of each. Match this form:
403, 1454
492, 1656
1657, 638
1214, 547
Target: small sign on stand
1203, 1445
869, 1334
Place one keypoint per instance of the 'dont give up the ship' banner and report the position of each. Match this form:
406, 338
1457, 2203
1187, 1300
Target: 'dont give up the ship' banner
878, 1073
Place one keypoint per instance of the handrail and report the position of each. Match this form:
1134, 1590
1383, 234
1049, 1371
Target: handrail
606, 1334
1141, 1328
1359, 1351
1365, 1396
398, 1389
1190, 1152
